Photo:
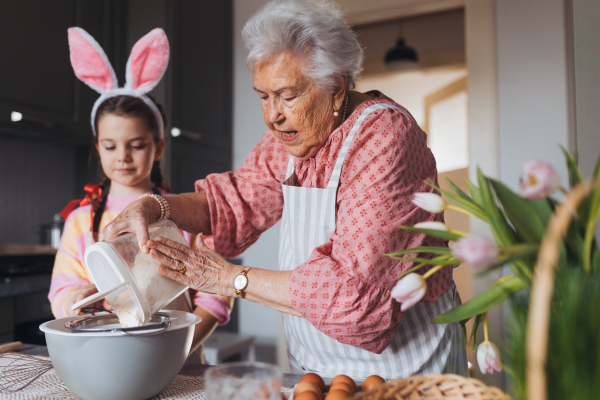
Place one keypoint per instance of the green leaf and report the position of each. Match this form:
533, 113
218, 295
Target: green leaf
521, 214
475, 193
503, 232
459, 191
476, 323
423, 249
524, 252
463, 326
574, 172
574, 242
433, 232
413, 269
427, 261
418, 266
466, 204
597, 170
595, 258
589, 239
483, 302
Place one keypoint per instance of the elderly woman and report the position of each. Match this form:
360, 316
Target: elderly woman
339, 168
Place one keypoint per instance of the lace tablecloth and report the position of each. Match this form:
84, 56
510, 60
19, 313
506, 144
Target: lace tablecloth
49, 386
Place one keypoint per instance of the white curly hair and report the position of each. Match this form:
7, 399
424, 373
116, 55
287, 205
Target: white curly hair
313, 30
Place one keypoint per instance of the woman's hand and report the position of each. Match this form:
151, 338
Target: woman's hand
205, 270
135, 218
79, 293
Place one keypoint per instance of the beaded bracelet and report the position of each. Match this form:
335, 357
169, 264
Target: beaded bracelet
165, 209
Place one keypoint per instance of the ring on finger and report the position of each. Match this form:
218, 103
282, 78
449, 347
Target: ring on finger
180, 267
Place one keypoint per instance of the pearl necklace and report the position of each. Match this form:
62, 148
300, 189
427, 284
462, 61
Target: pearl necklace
345, 107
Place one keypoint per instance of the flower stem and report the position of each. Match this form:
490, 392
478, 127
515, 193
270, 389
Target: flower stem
462, 210
432, 271
485, 327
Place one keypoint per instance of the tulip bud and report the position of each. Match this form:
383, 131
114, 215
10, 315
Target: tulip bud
429, 202
488, 358
538, 180
434, 225
476, 251
409, 290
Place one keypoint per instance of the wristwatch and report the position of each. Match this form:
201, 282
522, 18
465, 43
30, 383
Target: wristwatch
240, 282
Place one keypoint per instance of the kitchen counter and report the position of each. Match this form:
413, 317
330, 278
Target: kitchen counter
25, 268
20, 249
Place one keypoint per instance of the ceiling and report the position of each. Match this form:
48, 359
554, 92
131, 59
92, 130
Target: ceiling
360, 12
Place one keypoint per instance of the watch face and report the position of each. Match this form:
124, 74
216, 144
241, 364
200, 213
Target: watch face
240, 282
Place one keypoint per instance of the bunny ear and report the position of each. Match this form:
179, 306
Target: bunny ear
89, 61
148, 61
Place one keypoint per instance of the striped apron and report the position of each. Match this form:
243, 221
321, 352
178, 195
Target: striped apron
418, 347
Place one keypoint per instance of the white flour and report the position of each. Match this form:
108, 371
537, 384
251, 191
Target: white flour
156, 290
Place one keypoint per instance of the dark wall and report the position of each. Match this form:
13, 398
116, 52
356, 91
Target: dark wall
36, 180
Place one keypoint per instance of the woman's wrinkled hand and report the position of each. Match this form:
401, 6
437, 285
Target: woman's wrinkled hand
205, 270
135, 218
79, 293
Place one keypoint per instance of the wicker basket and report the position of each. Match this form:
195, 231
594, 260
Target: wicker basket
541, 292
433, 387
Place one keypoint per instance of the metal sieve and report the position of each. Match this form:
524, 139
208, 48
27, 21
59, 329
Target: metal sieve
159, 322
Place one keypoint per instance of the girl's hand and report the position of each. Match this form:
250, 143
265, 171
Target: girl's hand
205, 270
79, 293
135, 218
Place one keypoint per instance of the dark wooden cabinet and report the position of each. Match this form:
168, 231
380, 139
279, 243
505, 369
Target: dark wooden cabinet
200, 85
36, 75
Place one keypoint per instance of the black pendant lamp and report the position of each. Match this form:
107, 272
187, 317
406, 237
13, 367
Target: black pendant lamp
401, 56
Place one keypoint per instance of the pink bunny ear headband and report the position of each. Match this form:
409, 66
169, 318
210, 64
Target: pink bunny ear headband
145, 67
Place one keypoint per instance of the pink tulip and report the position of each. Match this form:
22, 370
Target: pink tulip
429, 202
435, 225
488, 358
476, 251
538, 180
409, 290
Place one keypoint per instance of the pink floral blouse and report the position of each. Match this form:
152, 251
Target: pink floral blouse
344, 287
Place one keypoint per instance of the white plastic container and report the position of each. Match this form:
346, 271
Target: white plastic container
110, 263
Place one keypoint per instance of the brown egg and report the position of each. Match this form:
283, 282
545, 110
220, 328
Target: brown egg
314, 378
307, 396
345, 379
307, 387
336, 395
371, 381
343, 386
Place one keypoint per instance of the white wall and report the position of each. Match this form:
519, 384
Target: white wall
532, 85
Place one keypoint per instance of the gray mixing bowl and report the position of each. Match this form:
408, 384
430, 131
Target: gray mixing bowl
105, 365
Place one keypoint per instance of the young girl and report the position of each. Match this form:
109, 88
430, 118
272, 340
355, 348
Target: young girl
129, 140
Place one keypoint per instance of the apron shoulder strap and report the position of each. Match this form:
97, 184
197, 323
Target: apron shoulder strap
290, 168
334, 180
